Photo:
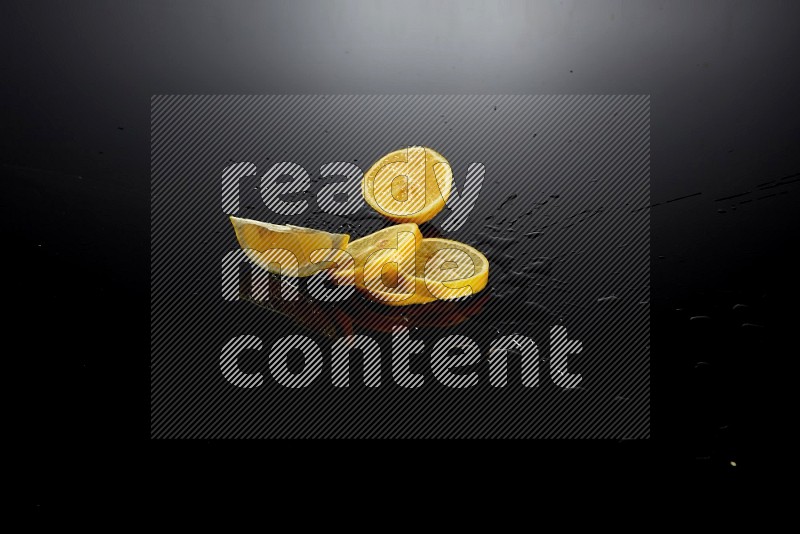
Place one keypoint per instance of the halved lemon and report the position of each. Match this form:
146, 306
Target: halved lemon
408, 185
258, 238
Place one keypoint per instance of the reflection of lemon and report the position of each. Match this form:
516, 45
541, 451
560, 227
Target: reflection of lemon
259, 237
408, 185
442, 269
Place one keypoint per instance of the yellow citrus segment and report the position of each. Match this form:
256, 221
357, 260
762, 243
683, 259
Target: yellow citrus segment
258, 238
408, 185
446, 270
397, 238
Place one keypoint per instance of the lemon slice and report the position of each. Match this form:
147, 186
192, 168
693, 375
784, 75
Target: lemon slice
442, 269
448, 270
445, 270
259, 238
402, 238
410, 185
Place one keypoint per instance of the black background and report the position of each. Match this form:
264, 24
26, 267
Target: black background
77, 81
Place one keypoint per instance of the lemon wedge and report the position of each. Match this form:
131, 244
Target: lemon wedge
402, 239
259, 238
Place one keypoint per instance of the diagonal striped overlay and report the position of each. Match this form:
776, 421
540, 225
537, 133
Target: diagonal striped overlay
558, 216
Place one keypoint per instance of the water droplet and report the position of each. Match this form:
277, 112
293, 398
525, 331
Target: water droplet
539, 266
496, 242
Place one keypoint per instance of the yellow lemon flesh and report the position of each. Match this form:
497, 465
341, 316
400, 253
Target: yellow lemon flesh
410, 185
265, 243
